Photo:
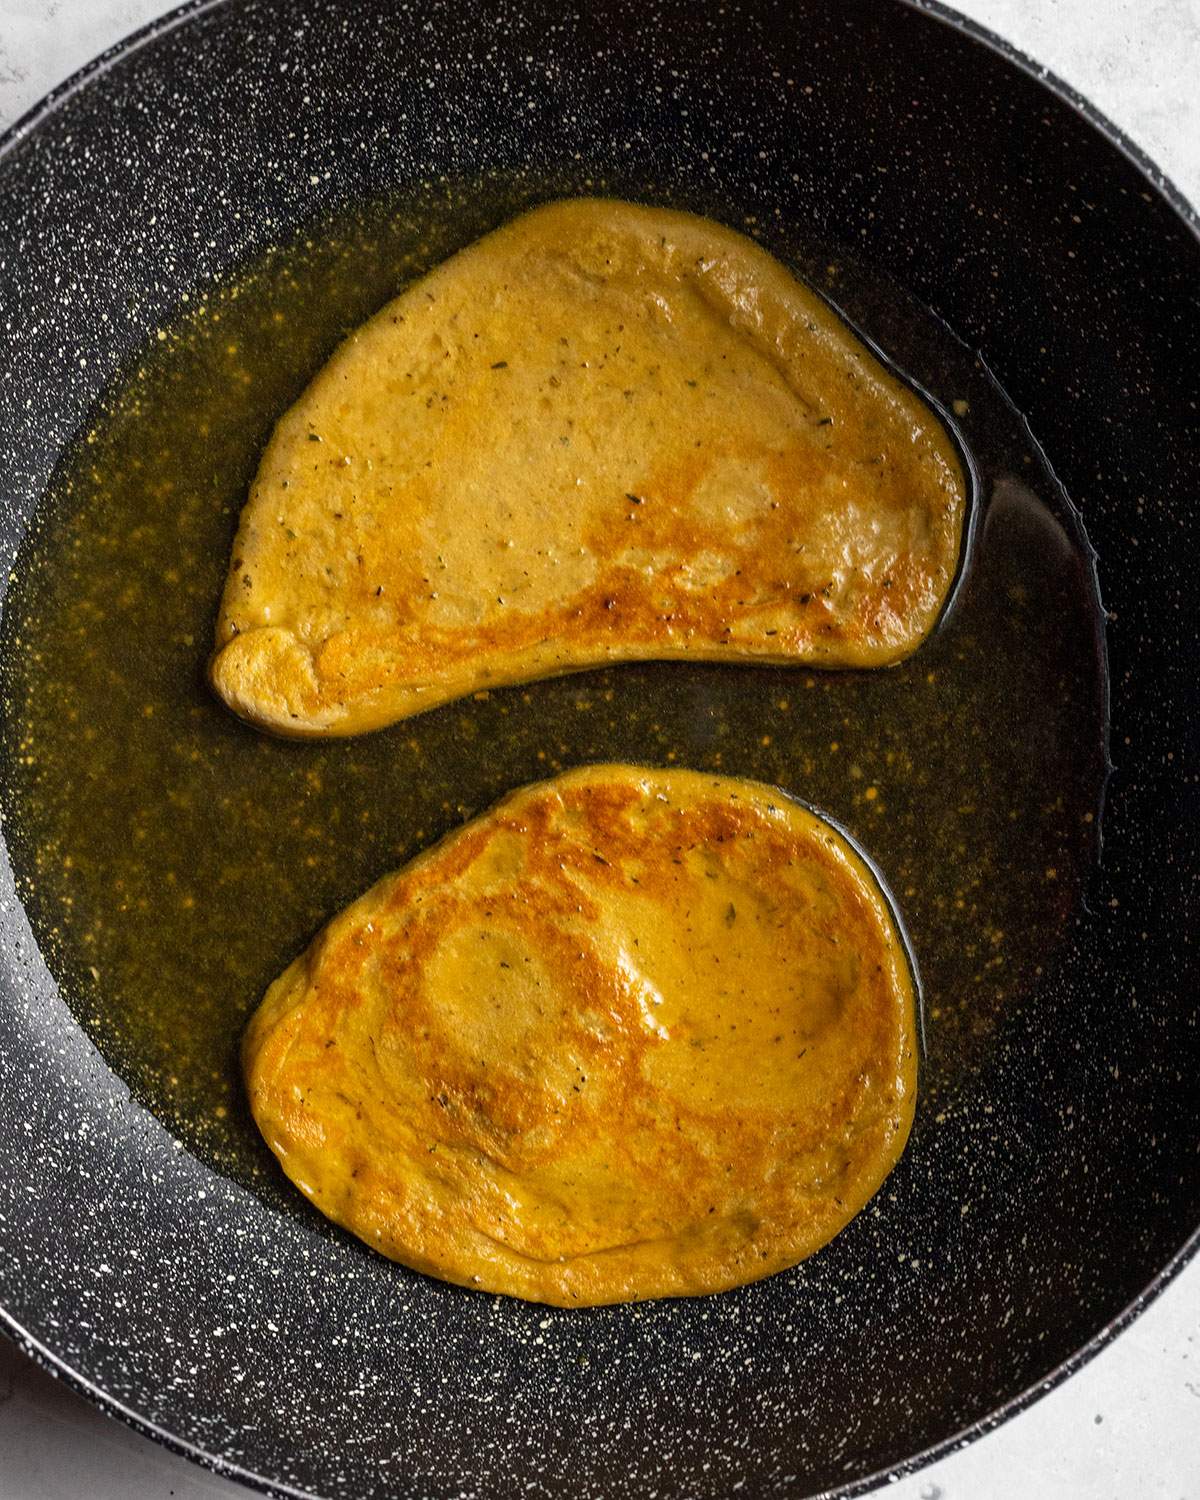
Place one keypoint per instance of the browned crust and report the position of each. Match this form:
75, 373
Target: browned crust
577, 1152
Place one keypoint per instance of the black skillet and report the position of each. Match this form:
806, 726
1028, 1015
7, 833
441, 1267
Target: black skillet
272, 1350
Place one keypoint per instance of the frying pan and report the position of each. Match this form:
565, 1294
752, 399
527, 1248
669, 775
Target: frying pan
289, 1357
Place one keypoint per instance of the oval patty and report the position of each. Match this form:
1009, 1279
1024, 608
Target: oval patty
602, 433
629, 1034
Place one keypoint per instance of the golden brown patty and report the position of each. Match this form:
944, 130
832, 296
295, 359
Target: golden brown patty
629, 1034
601, 433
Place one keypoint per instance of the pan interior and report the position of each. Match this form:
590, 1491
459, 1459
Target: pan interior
172, 861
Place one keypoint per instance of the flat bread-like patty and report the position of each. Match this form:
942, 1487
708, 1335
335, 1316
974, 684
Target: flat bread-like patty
632, 1033
602, 433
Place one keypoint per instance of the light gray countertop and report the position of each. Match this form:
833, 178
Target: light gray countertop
1127, 1426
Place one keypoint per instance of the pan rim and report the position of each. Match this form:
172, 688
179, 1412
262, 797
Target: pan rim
1164, 189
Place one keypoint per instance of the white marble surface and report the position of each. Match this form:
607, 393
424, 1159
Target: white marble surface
1127, 1427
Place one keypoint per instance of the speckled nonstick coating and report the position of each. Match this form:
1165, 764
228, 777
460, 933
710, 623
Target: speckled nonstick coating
1064, 1186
